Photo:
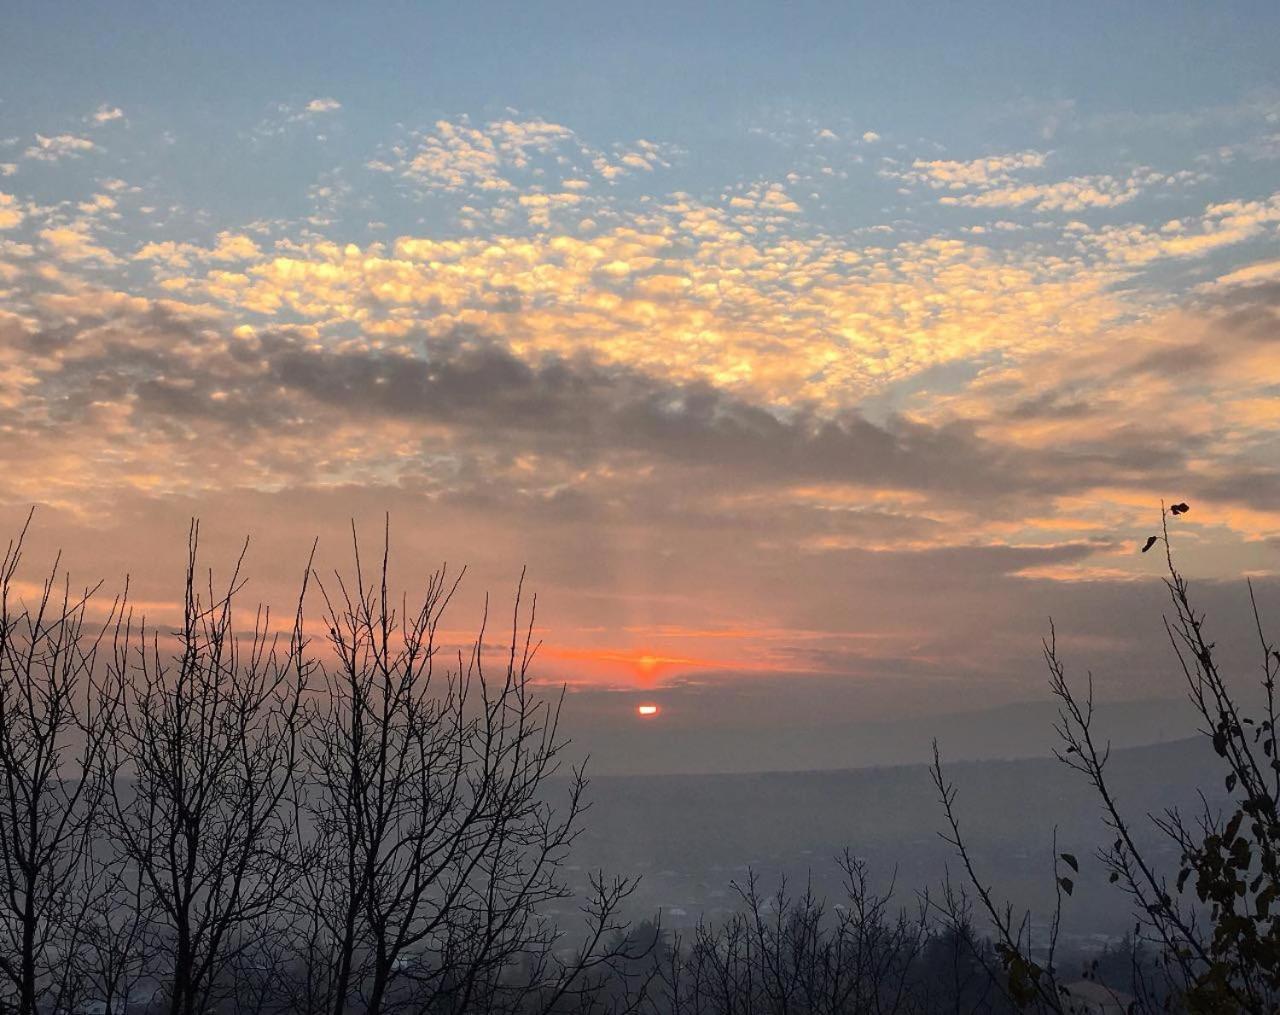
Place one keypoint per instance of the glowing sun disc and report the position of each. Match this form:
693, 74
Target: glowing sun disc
647, 710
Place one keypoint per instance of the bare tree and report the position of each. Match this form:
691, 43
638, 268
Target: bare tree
52, 741
429, 841
1215, 924
110, 959
784, 953
203, 755
195, 815
1024, 981
959, 966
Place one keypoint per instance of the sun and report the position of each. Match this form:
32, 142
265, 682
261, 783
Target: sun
646, 711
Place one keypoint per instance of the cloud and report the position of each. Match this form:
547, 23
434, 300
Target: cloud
643, 156
285, 117
698, 359
1221, 225
777, 404
995, 182
229, 247
984, 172
1252, 274
11, 212
169, 402
75, 242
555, 405
787, 318
455, 156
563, 410
766, 198
738, 295
541, 206
501, 156
474, 404
638, 498
1075, 194
106, 113
61, 146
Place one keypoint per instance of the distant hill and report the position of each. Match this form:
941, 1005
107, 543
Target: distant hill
686, 740
692, 834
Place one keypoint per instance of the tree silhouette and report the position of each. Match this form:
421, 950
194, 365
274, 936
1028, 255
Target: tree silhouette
427, 838
202, 759
52, 742
1215, 921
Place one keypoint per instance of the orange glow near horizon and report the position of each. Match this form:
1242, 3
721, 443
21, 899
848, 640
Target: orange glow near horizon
643, 668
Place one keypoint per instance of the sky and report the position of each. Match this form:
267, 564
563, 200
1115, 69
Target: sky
810, 356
